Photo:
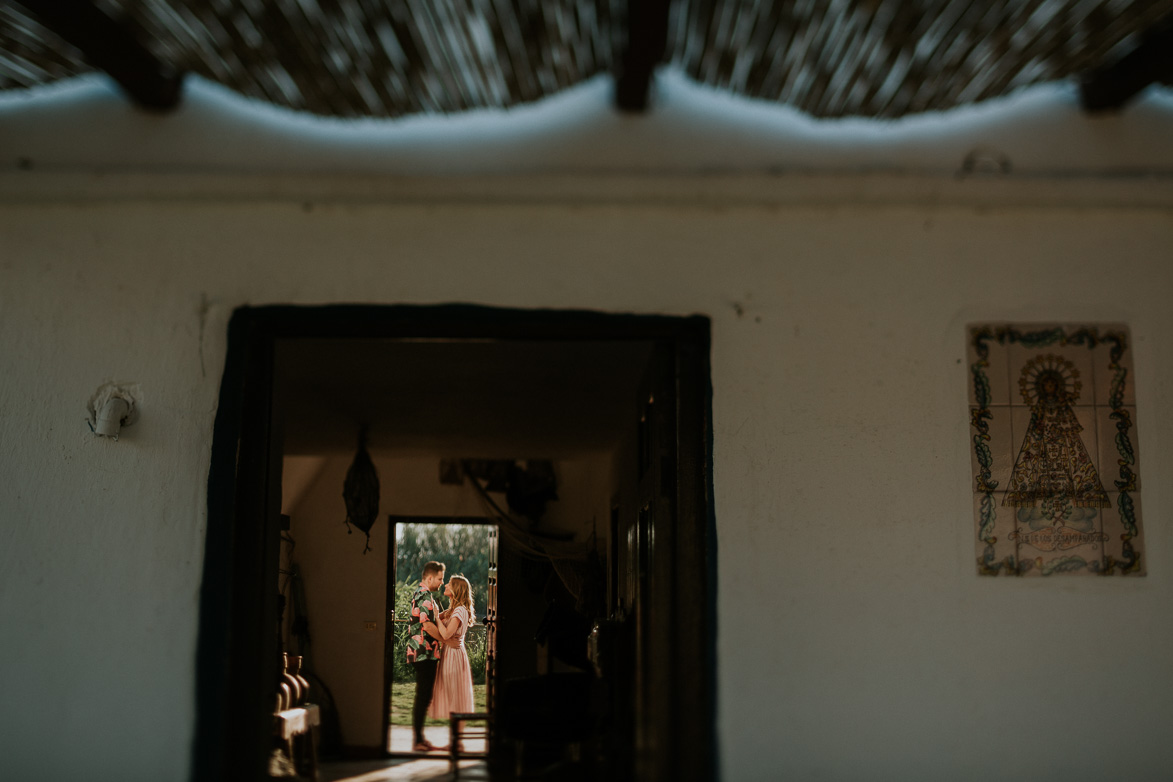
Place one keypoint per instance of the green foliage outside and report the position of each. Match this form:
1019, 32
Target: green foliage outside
464, 549
401, 699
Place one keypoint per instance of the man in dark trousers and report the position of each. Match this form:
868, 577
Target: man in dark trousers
423, 647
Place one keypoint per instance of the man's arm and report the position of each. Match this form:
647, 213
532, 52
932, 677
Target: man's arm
427, 613
434, 631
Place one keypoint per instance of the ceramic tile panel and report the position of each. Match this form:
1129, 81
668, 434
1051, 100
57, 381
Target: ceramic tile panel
1123, 539
1118, 447
993, 380
1073, 364
1053, 450
1074, 544
999, 441
1001, 555
1117, 377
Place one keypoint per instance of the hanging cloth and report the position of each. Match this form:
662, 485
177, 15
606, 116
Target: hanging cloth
361, 491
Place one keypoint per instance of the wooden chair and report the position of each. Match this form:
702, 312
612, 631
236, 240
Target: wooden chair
460, 730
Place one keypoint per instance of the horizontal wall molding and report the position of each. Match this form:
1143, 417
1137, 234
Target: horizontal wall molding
878, 190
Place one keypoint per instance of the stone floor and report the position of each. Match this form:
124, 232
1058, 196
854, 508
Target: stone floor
433, 767
437, 734
402, 770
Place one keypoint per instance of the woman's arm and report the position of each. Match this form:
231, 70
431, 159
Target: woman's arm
447, 630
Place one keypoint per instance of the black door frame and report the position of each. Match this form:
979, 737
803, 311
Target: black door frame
388, 627
236, 645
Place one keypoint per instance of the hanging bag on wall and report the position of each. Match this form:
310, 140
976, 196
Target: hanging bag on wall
360, 491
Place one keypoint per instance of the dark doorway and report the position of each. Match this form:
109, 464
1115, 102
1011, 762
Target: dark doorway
660, 718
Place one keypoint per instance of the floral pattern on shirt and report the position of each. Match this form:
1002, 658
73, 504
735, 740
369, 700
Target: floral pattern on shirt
425, 607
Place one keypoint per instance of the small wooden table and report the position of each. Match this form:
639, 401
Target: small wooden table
460, 731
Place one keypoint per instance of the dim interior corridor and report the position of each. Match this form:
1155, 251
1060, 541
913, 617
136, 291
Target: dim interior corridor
549, 444
571, 450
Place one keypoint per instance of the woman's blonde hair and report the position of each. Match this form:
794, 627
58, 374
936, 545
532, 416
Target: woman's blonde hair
462, 596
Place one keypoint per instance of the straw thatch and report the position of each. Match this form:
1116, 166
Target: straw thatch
387, 58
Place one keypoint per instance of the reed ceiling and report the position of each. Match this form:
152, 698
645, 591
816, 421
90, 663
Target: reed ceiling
390, 58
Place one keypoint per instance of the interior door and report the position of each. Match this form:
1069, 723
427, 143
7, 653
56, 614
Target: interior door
390, 628
652, 536
491, 626
670, 545
237, 655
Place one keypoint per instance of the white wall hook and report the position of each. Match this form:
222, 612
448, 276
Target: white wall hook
111, 408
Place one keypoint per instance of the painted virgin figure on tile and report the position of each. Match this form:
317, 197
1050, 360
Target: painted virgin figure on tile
1053, 468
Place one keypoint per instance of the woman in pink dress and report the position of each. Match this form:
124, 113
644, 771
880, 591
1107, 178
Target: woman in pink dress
453, 691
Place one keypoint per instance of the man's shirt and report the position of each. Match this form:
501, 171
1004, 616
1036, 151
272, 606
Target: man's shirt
425, 607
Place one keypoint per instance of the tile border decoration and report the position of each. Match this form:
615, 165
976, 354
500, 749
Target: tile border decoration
980, 338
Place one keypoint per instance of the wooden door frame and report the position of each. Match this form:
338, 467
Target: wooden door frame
236, 647
388, 629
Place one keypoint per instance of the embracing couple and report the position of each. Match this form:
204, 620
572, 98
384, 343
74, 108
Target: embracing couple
435, 647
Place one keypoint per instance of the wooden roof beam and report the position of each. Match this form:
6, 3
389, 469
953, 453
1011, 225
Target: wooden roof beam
109, 47
647, 39
1110, 87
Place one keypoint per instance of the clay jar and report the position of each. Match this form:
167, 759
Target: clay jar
295, 669
291, 681
284, 695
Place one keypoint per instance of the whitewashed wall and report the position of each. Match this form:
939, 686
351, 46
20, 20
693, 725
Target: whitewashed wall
855, 640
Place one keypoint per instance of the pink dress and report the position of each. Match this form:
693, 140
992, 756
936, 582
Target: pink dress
453, 691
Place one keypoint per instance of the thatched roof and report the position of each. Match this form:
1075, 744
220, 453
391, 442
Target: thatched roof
388, 58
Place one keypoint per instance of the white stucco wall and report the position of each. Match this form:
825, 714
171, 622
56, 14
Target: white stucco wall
856, 641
